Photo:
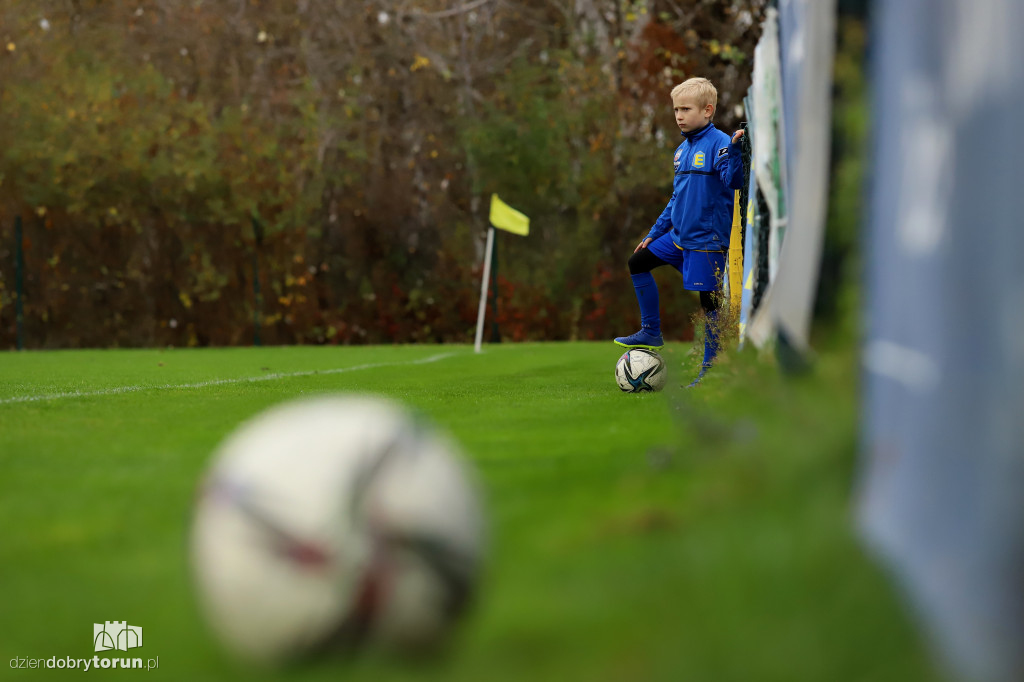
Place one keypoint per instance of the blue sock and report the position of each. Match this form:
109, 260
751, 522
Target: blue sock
647, 297
711, 333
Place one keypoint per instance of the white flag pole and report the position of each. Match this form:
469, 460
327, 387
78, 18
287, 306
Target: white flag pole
483, 289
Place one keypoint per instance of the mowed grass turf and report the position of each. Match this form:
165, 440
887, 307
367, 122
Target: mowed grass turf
688, 535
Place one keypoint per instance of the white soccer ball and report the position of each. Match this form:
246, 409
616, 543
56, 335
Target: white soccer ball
333, 522
640, 370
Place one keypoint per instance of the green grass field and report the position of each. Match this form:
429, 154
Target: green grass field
689, 535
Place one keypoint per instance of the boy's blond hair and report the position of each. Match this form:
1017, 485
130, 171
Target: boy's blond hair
700, 89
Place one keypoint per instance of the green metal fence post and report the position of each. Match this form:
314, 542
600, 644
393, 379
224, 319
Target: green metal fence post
19, 287
257, 312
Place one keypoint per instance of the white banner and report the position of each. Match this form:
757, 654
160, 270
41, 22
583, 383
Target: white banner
942, 489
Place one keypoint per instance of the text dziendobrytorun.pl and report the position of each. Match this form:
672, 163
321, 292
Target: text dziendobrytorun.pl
69, 663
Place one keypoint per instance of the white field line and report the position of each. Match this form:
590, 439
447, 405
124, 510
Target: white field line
117, 390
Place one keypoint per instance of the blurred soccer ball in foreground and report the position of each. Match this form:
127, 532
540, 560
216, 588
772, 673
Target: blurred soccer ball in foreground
640, 370
334, 522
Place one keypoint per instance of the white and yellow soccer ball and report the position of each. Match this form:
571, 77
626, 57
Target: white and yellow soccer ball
640, 370
334, 523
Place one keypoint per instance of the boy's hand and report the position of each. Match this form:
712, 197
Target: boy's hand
643, 244
737, 135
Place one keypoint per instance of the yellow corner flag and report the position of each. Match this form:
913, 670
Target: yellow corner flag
504, 217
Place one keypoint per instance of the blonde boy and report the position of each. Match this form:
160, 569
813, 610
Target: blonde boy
692, 233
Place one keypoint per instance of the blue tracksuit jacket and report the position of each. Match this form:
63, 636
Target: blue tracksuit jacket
707, 170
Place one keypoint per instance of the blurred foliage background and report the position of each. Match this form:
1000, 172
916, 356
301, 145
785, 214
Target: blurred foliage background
163, 155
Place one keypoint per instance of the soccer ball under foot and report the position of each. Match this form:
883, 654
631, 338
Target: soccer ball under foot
640, 370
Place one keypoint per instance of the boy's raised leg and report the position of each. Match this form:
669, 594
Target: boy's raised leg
649, 335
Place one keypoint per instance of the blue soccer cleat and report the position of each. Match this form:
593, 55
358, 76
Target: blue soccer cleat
642, 339
696, 382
